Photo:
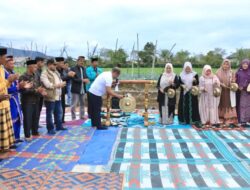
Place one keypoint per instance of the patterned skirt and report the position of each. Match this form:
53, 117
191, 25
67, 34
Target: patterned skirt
6, 129
228, 115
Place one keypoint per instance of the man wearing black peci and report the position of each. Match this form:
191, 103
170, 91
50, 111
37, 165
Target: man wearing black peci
30, 100
78, 88
65, 76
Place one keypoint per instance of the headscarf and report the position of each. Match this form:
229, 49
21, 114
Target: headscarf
205, 68
187, 78
225, 76
167, 77
243, 75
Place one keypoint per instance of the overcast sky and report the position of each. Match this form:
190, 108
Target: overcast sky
194, 25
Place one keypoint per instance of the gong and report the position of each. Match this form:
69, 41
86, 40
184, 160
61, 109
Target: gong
234, 87
217, 91
128, 103
195, 90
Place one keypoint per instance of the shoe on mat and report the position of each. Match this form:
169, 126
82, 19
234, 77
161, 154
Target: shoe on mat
13, 146
62, 129
51, 132
102, 128
18, 141
35, 134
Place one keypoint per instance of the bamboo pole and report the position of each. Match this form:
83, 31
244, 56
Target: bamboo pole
154, 58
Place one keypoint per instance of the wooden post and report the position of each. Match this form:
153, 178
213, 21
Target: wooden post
146, 123
108, 122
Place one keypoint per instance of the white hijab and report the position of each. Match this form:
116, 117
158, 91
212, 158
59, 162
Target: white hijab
205, 68
167, 77
187, 78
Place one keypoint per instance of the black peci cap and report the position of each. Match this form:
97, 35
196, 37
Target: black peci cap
3, 51
31, 62
94, 59
58, 59
10, 57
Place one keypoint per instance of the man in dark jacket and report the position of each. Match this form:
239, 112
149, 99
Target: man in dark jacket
30, 99
65, 76
78, 88
40, 66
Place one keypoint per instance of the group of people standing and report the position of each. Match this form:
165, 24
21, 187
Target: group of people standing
226, 108
48, 86
22, 97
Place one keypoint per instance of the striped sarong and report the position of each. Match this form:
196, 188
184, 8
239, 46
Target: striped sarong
6, 129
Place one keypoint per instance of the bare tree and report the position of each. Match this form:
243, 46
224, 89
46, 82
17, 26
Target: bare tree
94, 50
64, 50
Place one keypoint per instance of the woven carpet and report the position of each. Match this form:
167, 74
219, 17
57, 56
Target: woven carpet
61, 151
237, 143
178, 158
41, 180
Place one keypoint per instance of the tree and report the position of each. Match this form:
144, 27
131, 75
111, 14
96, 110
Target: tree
239, 55
213, 58
181, 57
146, 55
71, 61
117, 57
166, 55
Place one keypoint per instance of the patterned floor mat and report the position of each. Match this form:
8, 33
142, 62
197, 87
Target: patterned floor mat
61, 151
181, 176
237, 143
177, 158
40, 180
137, 134
233, 135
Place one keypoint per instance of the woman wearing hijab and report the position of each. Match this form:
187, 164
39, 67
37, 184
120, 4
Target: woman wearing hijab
208, 104
227, 106
167, 80
188, 111
243, 80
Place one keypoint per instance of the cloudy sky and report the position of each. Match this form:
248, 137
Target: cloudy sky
194, 25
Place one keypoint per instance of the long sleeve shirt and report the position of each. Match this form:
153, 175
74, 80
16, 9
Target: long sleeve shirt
4, 84
92, 73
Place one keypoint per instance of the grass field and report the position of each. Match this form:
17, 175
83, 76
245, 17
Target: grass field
144, 73
156, 70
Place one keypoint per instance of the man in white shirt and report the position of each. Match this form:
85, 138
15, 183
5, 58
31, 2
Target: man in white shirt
100, 87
